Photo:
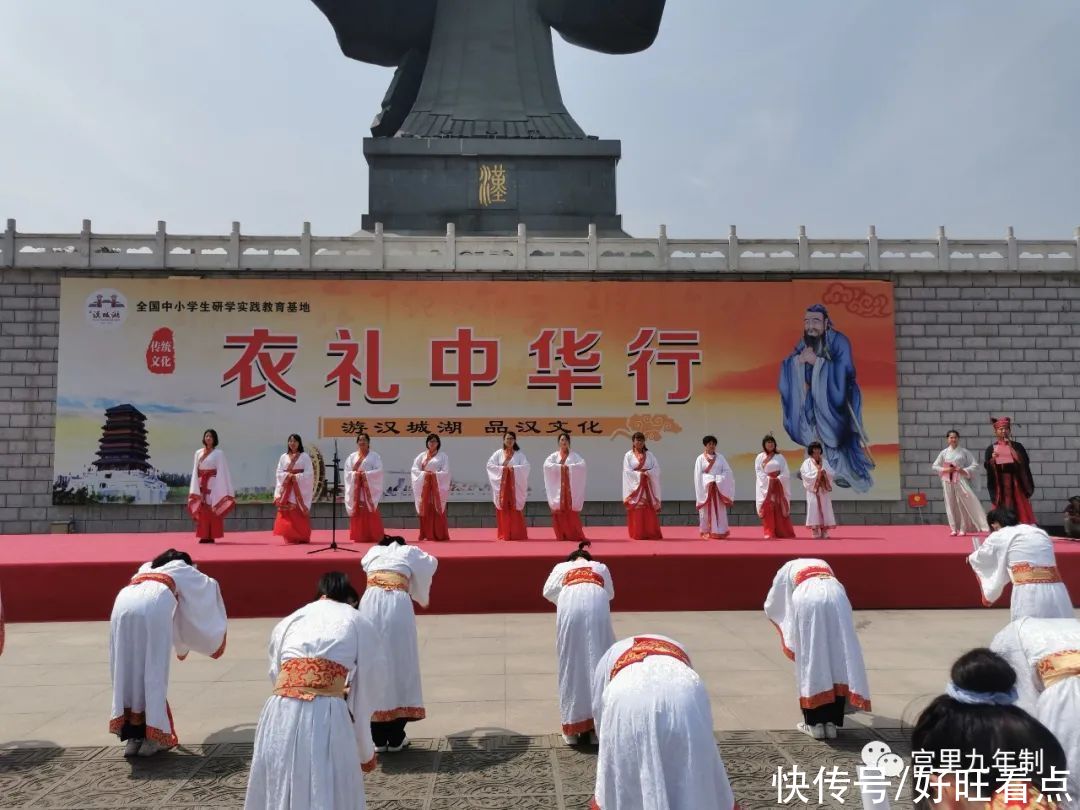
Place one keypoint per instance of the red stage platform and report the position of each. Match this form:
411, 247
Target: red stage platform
76, 577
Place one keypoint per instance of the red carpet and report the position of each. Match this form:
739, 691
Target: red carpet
76, 577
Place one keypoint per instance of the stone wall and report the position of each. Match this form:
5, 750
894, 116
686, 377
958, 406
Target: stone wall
970, 345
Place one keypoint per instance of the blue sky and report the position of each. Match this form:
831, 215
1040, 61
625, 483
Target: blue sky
832, 114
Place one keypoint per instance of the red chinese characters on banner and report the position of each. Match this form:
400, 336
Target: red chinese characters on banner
475, 361
257, 348
675, 347
161, 352
346, 372
575, 358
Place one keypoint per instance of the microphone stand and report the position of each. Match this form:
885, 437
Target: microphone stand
333, 513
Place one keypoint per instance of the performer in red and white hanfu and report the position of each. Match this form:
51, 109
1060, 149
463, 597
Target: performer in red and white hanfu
714, 488
564, 482
169, 604
817, 479
431, 489
810, 608
313, 741
1045, 653
397, 575
210, 496
363, 491
1024, 555
641, 491
293, 493
508, 473
581, 588
655, 723
773, 494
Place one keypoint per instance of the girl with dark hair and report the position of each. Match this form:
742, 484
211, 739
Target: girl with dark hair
655, 723
431, 489
168, 606
810, 608
293, 493
641, 491
564, 485
773, 491
508, 474
210, 496
957, 467
581, 588
817, 480
977, 717
363, 491
397, 575
1045, 654
1023, 555
313, 741
714, 489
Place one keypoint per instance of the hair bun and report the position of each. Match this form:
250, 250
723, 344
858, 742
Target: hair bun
983, 670
584, 544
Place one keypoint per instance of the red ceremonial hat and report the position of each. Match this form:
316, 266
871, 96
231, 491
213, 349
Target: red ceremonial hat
1002, 422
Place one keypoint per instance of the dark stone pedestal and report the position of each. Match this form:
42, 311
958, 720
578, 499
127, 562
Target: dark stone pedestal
489, 185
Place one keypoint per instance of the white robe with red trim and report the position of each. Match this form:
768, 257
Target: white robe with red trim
762, 469
399, 694
1014, 546
817, 632
305, 479
440, 466
495, 466
575, 466
632, 491
819, 507
713, 520
373, 470
583, 633
222, 495
657, 749
148, 622
1034, 648
309, 753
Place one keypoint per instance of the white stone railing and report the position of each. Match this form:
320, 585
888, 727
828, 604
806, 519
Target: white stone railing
590, 254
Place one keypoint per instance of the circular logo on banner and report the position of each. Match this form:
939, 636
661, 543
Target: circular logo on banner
106, 308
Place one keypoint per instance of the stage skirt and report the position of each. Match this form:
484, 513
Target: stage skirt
642, 523
567, 525
365, 526
293, 526
208, 524
511, 525
776, 512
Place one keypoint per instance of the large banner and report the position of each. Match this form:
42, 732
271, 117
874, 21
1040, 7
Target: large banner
147, 365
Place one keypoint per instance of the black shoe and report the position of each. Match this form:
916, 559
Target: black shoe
207, 540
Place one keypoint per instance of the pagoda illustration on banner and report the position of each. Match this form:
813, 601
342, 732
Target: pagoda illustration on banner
122, 471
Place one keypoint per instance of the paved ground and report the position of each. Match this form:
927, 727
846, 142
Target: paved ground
490, 690
497, 771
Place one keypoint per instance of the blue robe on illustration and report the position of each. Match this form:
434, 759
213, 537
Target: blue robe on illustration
823, 402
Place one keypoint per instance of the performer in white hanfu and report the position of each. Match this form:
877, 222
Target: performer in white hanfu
1024, 555
210, 496
714, 487
564, 483
957, 468
1045, 653
810, 608
508, 473
363, 491
313, 739
397, 575
293, 492
641, 491
773, 493
168, 605
431, 489
655, 723
581, 588
817, 479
